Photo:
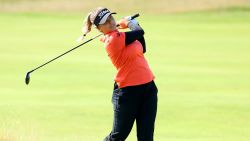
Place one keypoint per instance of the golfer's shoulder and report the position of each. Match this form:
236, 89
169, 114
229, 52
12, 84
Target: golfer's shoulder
115, 38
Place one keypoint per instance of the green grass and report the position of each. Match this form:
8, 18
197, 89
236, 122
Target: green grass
201, 62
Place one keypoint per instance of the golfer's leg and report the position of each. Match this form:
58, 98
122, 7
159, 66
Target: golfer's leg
145, 119
124, 116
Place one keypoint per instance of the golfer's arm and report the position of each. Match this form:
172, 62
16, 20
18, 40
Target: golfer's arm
131, 36
142, 41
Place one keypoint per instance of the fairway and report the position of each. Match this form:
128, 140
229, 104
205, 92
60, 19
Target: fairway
201, 61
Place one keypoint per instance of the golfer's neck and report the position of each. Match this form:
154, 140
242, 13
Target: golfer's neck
107, 32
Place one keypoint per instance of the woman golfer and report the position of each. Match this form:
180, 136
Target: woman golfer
135, 93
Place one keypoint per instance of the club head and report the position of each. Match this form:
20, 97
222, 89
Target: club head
27, 78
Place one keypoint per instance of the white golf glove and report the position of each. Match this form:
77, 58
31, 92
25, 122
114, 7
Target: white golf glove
132, 24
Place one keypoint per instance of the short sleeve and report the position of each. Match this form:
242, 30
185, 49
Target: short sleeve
115, 42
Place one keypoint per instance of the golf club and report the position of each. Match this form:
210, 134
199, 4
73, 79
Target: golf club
27, 78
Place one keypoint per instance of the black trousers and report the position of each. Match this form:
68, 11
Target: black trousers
134, 103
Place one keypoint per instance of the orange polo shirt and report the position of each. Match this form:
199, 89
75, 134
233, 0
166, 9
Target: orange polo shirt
131, 65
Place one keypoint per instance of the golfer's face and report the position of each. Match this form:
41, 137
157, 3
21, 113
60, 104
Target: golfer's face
108, 26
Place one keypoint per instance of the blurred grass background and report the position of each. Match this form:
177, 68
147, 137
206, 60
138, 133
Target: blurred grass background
198, 50
145, 6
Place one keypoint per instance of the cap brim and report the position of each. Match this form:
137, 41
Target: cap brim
104, 19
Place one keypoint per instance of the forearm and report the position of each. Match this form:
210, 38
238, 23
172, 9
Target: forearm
131, 36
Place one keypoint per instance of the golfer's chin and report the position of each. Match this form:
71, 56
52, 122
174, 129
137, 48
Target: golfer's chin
112, 28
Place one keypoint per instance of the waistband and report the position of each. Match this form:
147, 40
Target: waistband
136, 86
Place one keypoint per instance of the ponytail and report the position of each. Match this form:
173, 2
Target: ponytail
87, 25
88, 22
86, 28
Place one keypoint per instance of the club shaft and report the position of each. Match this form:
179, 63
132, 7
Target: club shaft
65, 53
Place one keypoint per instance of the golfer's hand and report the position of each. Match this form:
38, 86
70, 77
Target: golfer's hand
123, 23
126, 22
134, 25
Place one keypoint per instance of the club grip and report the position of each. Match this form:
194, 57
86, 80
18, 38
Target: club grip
132, 17
135, 16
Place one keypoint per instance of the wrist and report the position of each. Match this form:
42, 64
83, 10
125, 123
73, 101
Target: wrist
133, 25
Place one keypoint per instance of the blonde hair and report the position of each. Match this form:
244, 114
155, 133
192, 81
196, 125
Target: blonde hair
89, 20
